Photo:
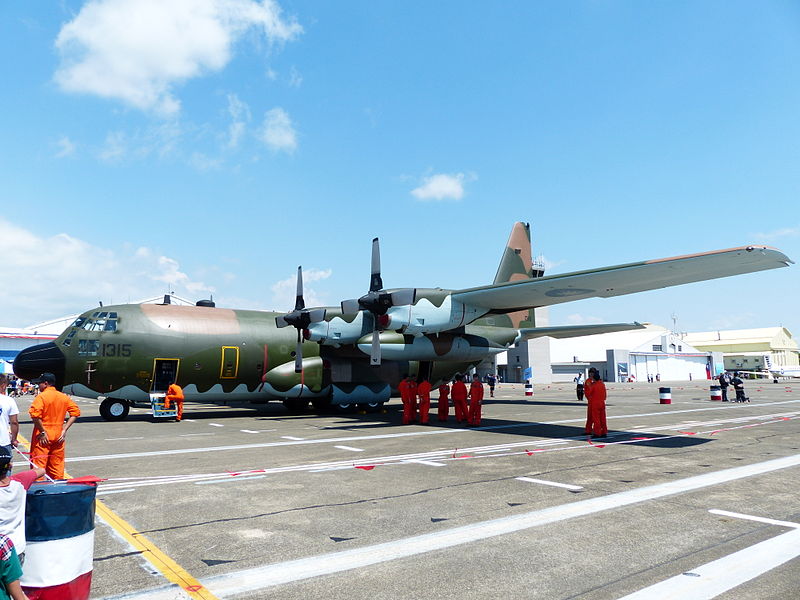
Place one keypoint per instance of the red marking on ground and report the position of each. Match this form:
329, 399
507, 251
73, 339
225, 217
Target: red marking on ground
529, 452
365, 467
599, 445
642, 438
86, 479
193, 588
688, 432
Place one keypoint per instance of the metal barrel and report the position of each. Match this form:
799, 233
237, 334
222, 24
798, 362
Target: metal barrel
716, 393
59, 527
528, 388
665, 395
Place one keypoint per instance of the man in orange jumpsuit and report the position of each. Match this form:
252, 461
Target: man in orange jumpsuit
49, 429
424, 394
404, 387
476, 398
444, 402
595, 391
175, 394
459, 394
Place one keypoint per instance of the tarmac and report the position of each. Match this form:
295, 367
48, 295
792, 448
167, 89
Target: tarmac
693, 499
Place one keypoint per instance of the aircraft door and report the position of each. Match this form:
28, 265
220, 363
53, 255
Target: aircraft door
165, 370
229, 365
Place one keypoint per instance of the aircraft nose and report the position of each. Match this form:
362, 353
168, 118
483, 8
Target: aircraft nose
42, 358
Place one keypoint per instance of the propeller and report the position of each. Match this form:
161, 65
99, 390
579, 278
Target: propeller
300, 318
377, 302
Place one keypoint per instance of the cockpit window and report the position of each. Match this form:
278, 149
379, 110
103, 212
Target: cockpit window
99, 321
79, 322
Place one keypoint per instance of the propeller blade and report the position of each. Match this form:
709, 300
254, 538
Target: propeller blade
375, 351
350, 307
280, 322
299, 303
403, 297
316, 315
375, 281
298, 353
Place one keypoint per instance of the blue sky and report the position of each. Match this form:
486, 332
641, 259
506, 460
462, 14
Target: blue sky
211, 146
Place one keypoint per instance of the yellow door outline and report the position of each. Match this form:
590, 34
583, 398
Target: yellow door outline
225, 373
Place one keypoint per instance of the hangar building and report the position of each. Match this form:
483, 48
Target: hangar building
749, 349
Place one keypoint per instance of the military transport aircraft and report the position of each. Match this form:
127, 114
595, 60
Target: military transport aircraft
355, 353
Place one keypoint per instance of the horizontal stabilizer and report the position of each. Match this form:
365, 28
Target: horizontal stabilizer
568, 331
623, 279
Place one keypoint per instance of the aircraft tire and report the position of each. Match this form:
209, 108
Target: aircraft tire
321, 404
345, 407
370, 406
114, 409
295, 405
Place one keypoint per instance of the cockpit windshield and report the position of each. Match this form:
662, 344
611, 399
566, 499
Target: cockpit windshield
98, 321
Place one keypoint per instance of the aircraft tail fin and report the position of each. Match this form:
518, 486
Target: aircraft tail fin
516, 264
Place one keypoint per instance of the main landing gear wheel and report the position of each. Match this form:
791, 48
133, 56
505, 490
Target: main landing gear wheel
114, 409
371, 406
295, 405
321, 403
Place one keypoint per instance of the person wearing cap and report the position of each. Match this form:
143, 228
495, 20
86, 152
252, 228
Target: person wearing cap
424, 395
595, 391
9, 421
459, 395
444, 402
475, 400
175, 394
13, 493
10, 571
49, 429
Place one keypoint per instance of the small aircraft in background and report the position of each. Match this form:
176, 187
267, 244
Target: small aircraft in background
352, 354
776, 372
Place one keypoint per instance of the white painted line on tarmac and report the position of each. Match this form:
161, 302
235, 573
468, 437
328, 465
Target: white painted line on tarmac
185, 435
103, 493
553, 483
714, 578
208, 482
323, 470
216, 425
735, 515
429, 463
349, 448
248, 431
381, 436
249, 580
119, 439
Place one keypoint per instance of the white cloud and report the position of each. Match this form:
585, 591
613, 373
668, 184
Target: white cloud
240, 116
579, 319
778, 234
278, 132
295, 79
83, 275
285, 290
442, 186
65, 148
137, 51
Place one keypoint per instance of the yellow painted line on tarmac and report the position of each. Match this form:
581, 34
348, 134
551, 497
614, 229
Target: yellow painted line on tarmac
171, 570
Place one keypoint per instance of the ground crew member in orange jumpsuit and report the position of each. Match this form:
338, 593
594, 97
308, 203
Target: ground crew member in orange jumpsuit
444, 402
49, 429
459, 394
175, 394
424, 394
476, 398
595, 392
404, 387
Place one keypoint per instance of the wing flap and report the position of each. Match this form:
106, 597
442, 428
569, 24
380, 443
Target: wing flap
623, 279
568, 331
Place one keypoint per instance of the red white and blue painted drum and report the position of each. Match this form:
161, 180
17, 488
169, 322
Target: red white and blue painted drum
665, 395
59, 531
716, 393
529, 389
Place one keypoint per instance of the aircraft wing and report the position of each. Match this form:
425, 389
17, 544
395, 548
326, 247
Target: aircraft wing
568, 331
623, 279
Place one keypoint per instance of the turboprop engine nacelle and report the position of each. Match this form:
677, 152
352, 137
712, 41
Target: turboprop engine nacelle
339, 331
425, 317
